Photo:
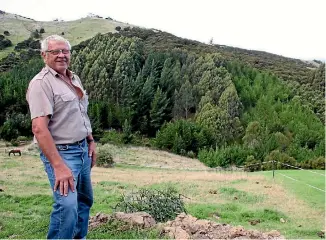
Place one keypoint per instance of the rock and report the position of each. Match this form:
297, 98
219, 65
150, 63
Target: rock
273, 234
254, 222
98, 220
176, 233
139, 219
321, 234
237, 232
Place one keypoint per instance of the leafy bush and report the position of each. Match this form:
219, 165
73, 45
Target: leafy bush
104, 158
183, 136
112, 136
282, 160
5, 43
191, 154
162, 205
252, 164
207, 157
317, 163
14, 142
22, 139
225, 156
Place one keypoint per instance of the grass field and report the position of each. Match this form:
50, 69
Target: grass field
306, 185
236, 198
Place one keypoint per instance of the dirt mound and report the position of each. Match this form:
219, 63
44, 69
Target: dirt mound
185, 227
189, 227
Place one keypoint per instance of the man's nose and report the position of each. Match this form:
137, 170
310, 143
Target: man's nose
61, 54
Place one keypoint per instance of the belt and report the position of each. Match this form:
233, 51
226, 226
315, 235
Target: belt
74, 143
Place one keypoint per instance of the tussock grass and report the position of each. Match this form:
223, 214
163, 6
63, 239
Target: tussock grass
237, 195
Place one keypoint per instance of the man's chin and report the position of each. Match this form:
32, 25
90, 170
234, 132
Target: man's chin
61, 68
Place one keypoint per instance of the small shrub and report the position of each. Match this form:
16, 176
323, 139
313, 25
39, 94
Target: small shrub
252, 164
42, 30
5, 43
208, 157
118, 28
35, 34
282, 160
63, 33
112, 136
318, 163
14, 142
104, 158
22, 139
6, 33
191, 154
161, 205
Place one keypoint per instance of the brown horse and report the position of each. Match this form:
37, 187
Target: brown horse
15, 151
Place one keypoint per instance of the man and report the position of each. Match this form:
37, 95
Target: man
58, 106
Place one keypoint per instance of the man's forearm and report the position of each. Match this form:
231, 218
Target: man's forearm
48, 147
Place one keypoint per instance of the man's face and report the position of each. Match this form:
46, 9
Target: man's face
57, 60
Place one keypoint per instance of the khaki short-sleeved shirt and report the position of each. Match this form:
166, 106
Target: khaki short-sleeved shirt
49, 95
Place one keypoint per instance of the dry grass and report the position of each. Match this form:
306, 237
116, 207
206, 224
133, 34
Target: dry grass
146, 157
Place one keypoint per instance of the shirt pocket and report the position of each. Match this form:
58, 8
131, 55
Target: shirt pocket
66, 103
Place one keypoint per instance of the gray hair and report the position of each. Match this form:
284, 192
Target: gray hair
45, 42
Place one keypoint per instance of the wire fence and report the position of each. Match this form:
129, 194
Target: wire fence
291, 178
242, 168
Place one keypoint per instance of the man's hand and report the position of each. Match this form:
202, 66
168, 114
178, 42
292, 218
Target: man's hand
92, 153
63, 179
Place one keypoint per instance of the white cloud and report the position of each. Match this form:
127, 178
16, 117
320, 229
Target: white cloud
292, 28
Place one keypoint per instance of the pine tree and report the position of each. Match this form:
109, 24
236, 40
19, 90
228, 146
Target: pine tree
158, 107
186, 99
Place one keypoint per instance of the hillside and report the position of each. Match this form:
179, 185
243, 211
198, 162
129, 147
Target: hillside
299, 75
224, 105
20, 28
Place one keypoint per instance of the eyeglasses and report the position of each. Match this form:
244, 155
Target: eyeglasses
58, 51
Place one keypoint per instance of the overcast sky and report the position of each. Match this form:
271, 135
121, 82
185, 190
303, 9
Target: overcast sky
292, 28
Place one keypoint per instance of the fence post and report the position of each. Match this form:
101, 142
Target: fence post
273, 169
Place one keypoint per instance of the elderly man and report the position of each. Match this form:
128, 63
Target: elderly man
58, 106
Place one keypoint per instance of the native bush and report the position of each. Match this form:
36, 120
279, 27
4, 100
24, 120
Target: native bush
162, 205
104, 158
183, 136
225, 156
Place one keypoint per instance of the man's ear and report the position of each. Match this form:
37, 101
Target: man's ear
43, 54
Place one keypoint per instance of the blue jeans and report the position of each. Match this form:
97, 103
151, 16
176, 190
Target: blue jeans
70, 214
